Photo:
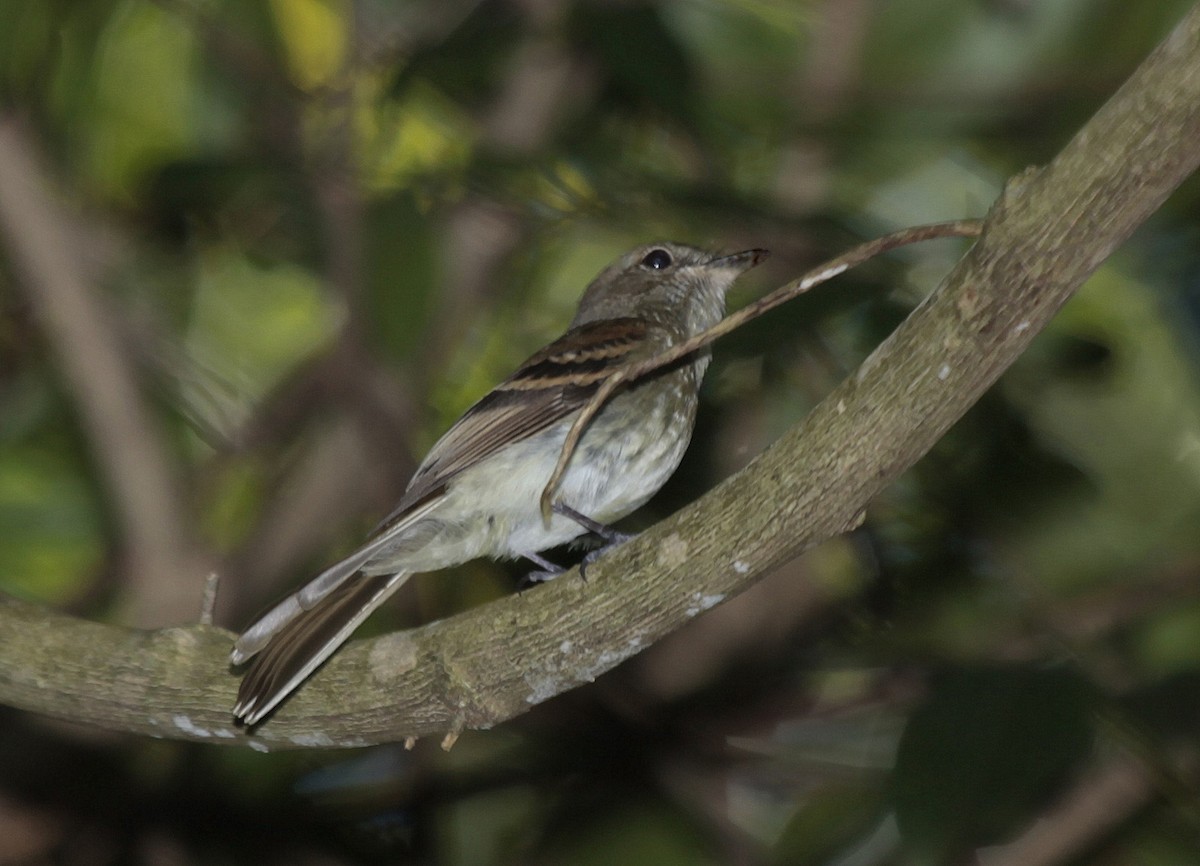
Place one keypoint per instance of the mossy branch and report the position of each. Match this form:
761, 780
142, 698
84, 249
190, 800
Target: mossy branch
1051, 229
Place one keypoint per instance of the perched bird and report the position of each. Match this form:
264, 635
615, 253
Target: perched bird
477, 492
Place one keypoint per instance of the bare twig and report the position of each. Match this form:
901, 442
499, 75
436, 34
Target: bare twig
208, 602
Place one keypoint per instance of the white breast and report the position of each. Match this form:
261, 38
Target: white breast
626, 454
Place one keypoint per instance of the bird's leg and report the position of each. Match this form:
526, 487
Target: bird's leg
548, 570
607, 534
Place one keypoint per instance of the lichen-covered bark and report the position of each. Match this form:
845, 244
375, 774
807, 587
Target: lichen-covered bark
1050, 230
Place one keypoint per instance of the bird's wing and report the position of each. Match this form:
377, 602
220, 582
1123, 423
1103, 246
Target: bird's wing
548, 387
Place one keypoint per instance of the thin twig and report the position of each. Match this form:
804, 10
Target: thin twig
820, 274
208, 602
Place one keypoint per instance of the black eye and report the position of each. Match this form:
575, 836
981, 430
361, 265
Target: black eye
657, 259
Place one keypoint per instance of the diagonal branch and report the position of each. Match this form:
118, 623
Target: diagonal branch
1049, 231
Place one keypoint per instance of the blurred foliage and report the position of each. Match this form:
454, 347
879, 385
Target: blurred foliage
983, 752
313, 213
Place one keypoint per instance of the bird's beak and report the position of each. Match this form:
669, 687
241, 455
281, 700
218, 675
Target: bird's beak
742, 261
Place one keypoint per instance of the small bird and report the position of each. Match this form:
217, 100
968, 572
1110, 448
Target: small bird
477, 493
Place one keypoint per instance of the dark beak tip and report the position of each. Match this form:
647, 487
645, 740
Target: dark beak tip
748, 259
744, 260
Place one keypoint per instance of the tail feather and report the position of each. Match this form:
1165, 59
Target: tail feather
308, 597
297, 640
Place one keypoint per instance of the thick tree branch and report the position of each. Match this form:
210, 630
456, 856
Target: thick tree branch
1049, 231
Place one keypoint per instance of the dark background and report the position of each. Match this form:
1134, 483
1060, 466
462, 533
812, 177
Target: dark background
322, 229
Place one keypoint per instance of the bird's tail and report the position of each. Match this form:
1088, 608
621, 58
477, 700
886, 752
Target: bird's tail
292, 639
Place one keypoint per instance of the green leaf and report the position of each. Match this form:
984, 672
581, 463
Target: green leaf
987, 749
644, 62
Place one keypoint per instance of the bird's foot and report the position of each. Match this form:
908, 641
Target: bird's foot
534, 578
611, 537
546, 572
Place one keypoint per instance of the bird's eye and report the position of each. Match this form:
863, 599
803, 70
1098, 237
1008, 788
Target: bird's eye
657, 259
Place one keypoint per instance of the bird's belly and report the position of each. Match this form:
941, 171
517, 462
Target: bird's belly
626, 455
493, 509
